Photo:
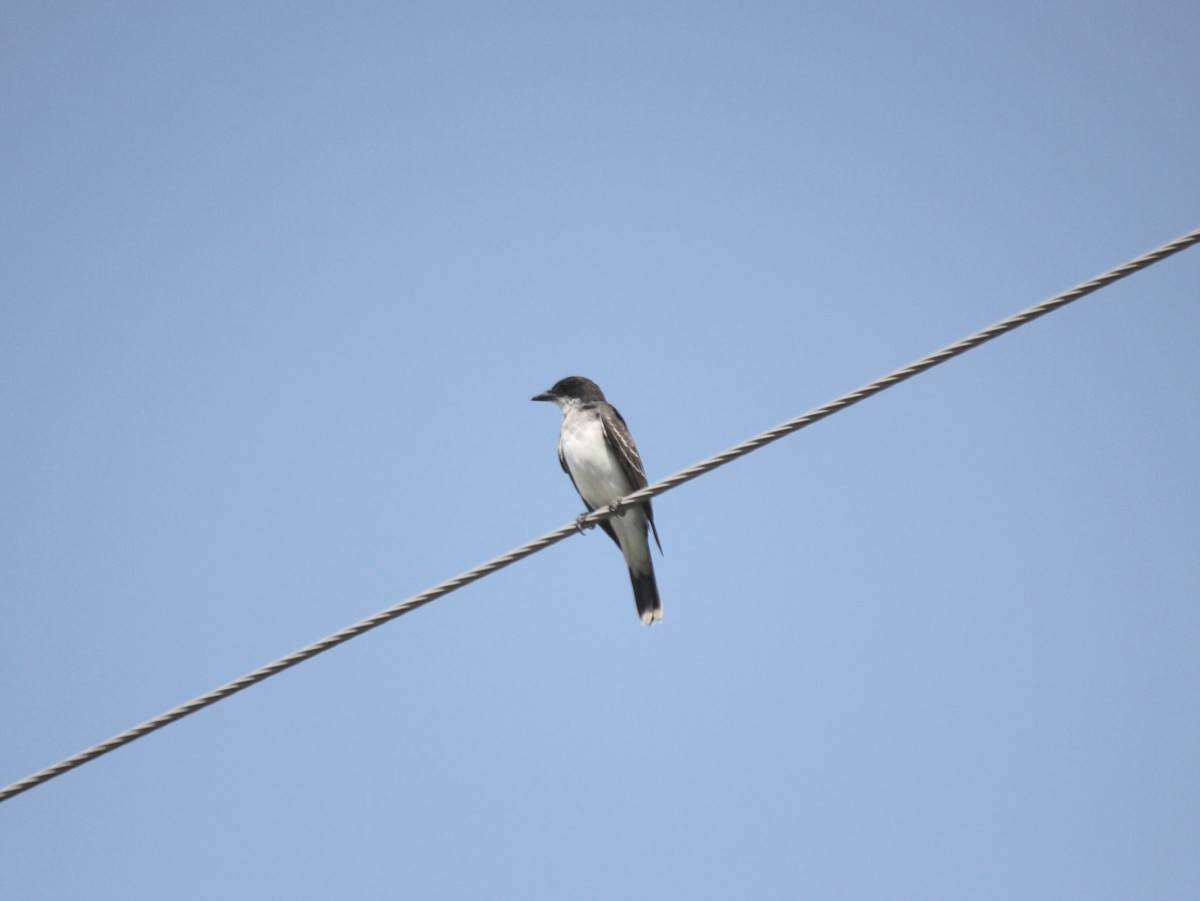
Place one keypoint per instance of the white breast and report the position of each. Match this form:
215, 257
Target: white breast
595, 471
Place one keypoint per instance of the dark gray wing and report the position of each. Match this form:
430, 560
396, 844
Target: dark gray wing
616, 433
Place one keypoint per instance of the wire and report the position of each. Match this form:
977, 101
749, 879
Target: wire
590, 519
894, 378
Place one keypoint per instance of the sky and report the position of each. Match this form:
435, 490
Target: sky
278, 283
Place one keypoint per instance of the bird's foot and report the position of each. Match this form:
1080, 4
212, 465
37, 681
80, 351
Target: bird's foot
581, 524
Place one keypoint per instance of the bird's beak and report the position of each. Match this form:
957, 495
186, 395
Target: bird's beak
545, 395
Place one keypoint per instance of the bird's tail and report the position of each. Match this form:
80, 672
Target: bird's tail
645, 594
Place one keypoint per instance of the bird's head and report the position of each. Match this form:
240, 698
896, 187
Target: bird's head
574, 388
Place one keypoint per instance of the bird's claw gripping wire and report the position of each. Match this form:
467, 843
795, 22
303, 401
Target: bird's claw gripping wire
582, 523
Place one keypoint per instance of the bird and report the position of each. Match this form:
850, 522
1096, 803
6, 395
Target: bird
596, 450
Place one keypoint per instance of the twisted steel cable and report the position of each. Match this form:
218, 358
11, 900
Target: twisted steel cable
590, 519
893, 378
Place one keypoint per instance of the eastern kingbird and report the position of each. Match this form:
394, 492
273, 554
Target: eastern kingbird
596, 450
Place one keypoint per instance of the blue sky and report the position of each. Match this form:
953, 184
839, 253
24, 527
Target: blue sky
279, 281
